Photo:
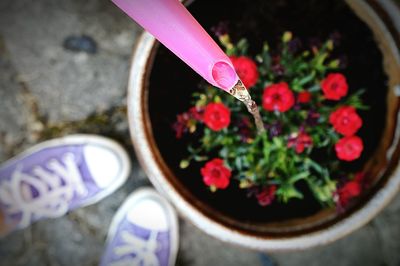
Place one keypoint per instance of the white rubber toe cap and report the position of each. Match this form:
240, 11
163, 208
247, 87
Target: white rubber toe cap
104, 164
149, 214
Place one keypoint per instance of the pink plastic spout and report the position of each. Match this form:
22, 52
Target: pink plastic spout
170, 23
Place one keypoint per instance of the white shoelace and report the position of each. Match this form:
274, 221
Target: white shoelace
55, 190
144, 250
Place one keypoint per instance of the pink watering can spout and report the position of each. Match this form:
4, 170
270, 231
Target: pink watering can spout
170, 23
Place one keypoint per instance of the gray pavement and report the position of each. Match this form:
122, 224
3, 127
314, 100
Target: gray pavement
47, 91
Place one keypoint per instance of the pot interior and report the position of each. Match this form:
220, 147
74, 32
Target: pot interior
170, 83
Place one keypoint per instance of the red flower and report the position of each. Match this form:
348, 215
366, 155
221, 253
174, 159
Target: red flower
217, 116
304, 97
300, 142
186, 119
334, 86
246, 70
278, 97
349, 148
266, 196
345, 120
348, 191
216, 174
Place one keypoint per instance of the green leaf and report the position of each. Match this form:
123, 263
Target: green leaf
238, 163
287, 191
314, 165
323, 191
319, 61
355, 100
266, 150
242, 46
314, 88
199, 158
278, 142
307, 79
299, 176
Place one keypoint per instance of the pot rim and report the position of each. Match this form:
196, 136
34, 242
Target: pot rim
155, 168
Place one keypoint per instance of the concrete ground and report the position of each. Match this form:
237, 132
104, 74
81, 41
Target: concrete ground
47, 91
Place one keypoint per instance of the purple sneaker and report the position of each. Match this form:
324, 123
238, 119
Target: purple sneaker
59, 175
143, 232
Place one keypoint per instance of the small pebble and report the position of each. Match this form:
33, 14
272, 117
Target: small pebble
81, 43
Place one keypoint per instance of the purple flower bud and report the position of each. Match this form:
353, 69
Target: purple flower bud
274, 129
343, 61
252, 191
294, 45
312, 118
336, 37
244, 126
314, 42
220, 29
278, 69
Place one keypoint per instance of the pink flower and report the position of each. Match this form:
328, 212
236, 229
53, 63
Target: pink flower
300, 142
334, 86
186, 119
345, 120
349, 148
216, 174
246, 70
266, 196
217, 116
350, 190
278, 97
303, 97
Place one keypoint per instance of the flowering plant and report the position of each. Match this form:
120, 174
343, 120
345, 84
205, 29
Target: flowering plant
311, 125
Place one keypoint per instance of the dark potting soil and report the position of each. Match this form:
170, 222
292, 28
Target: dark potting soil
172, 83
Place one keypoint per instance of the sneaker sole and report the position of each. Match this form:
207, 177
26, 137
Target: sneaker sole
172, 218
